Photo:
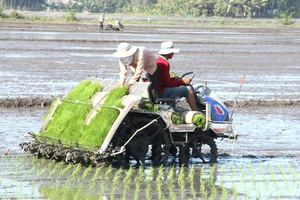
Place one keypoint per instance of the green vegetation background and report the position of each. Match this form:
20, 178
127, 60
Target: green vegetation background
222, 8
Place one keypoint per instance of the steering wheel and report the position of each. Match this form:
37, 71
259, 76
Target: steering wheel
188, 73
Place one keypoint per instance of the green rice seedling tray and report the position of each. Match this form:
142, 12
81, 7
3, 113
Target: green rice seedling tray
89, 114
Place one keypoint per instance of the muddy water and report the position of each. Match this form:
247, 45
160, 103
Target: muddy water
43, 62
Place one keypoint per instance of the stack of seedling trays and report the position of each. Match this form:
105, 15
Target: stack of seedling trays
84, 121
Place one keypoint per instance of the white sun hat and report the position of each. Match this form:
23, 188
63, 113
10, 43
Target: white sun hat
167, 48
125, 50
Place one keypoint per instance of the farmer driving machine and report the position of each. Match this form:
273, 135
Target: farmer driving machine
98, 122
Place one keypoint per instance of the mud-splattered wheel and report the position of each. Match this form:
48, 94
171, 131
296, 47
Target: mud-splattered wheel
197, 148
193, 148
148, 136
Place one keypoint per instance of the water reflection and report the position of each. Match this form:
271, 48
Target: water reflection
38, 178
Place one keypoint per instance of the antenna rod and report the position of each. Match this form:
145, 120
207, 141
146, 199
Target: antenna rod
242, 82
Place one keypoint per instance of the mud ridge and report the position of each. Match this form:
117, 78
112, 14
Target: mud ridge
45, 102
24, 102
144, 42
263, 103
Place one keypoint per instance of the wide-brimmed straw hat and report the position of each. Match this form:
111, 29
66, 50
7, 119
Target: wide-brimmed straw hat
167, 48
125, 50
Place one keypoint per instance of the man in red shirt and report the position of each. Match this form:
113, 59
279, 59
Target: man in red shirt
172, 87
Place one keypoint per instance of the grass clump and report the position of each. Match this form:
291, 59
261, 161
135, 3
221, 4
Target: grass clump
16, 15
68, 121
221, 22
70, 17
286, 18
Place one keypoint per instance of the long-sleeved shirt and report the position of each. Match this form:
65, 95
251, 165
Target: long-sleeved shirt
144, 59
164, 79
101, 19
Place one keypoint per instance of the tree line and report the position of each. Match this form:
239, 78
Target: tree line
224, 8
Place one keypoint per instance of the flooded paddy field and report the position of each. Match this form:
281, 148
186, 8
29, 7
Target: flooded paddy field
44, 61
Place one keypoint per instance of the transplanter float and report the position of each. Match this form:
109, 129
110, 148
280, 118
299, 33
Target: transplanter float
98, 122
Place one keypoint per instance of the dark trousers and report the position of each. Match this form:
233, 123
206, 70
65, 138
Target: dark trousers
154, 86
101, 26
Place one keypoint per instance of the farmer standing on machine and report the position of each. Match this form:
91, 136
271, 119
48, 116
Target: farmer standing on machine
139, 59
172, 87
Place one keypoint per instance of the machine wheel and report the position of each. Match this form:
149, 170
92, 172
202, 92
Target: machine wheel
184, 155
197, 144
138, 146
193, 148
